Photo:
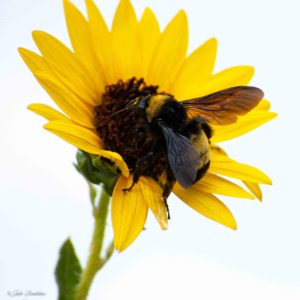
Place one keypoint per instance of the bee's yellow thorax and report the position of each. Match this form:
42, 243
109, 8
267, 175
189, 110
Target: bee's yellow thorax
154, 105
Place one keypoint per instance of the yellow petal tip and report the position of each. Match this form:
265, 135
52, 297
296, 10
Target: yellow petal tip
182, 16
47, 125
36, 33
66, 2
120, 249
250, 196
213, 41
29, 107
164, 227
232, 224
268, 180
21, 50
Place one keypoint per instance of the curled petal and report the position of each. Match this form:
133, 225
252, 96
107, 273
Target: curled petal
117, 159
86, 140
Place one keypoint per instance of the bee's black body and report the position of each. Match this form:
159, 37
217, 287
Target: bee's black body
173, 134
162, 138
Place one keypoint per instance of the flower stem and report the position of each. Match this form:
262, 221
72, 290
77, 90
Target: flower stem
95, 262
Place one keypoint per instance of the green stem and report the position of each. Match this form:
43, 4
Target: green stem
95, 262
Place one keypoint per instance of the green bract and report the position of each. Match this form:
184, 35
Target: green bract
97, 170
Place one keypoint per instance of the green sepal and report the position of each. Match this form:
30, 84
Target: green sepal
68, 271
85, 167
97, 169
107, 171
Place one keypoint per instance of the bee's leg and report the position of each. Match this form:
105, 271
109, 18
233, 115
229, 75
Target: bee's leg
140, 166
136, 177
168, 189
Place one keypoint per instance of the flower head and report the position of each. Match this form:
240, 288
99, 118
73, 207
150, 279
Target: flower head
102, 88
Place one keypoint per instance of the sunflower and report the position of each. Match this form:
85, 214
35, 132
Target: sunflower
107, 67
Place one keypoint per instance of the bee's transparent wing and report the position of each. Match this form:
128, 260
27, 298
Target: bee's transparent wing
182, 155
224, 107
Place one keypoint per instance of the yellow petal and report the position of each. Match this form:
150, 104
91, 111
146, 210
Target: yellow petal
218, 154
152, 193
81, 41
126, 52
101, 39
35, 62
235, 76
206, 204
86, 140
169, 53
68, 102
196, 70
263, 105
254, 188
244, 125
47, 112
129, 213
80, 137
70, 71
148, 34
223, 165
117, 159
215, 184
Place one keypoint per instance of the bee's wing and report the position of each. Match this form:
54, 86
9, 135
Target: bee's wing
182, 155
223, 107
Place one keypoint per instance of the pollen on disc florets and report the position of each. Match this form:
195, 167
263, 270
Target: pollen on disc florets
120, 128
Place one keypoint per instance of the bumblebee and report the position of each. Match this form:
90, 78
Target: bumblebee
169, 140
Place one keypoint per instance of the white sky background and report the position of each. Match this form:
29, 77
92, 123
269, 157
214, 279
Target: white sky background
43, 200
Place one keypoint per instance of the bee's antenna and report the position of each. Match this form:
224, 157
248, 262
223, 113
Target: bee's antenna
119, 111
131, 104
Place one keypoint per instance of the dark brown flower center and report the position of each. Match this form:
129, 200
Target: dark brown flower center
121, 129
